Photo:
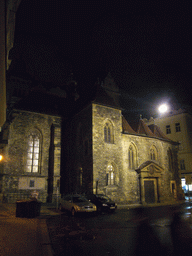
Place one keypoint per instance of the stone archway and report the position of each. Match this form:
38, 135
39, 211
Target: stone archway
150, 174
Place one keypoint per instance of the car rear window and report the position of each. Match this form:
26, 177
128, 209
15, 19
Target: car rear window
103, 198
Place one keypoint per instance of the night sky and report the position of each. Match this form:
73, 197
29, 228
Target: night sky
144, 44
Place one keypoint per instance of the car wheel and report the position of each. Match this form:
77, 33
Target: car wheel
73, 212
99, 209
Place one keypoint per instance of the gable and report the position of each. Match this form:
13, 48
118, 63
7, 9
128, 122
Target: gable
150, 169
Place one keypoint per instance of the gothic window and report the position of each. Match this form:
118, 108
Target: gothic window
132, 157
110, 175
170, 159
33, 152
108, 133
182, 164
153, 153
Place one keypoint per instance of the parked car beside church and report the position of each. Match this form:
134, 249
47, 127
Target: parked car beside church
103, 202
76, 204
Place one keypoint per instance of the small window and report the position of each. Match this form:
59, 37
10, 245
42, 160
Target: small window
182, 164
110, 175
132, 157
153, 153
177, 127
108, 133
168, 129
32, 184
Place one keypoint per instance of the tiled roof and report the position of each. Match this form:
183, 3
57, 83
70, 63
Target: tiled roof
126, 127
157, 132
141, 128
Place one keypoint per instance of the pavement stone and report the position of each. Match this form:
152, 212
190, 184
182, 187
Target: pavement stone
24, 236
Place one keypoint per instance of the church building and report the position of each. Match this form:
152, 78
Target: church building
129, 162
90, 149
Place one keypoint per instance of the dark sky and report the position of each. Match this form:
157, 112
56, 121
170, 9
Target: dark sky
144, 44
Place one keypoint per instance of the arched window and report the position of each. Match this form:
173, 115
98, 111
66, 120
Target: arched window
132, 157
108, 133
110, 175
33, 152
153, 153
170, 159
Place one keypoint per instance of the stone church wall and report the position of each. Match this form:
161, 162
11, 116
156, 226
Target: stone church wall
91, 159
143, 145
126, 187
17, 182
107, 154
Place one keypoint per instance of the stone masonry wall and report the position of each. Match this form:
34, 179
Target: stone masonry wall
126, 188
143, 145
105, 154
16, 180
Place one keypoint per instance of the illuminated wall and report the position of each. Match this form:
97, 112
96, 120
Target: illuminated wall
101, 158
32, 156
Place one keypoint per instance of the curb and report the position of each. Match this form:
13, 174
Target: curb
45, 239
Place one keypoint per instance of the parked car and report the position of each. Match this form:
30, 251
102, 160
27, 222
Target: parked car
103, 203
75, 204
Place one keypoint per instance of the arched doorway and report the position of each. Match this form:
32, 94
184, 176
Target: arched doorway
150, 174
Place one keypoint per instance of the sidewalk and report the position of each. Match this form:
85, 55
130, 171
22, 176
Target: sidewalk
24, 236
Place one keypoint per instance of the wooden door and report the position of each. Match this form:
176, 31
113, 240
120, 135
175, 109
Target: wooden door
149, 187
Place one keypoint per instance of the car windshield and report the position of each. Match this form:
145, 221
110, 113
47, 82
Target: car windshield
103, 198
77, 199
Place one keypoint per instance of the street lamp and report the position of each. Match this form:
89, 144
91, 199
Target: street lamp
163, 108
1, 157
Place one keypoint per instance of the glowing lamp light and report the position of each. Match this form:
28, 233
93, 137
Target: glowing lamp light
163, 108
1, 157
